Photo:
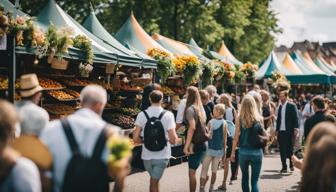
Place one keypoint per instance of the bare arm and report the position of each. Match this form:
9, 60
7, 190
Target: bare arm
172, 136
225, 138
191, 130
235, 140
136, 135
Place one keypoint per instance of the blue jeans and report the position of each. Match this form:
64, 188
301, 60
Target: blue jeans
253, 157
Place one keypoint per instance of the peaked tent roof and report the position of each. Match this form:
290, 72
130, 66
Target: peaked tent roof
270, 65
131, 33
320, 65
193, 46
92, 24
176, 47
290, 65
53, 14
305, 67
8, 6
330, 67
223, 50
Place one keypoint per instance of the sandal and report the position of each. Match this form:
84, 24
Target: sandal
222, 188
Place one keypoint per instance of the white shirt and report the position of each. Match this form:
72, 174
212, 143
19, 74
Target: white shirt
168, 123
307, 110
86, 126
180, 111
229, 114
24, 176
283, 117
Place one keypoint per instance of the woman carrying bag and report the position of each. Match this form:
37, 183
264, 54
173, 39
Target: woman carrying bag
197, 134
251, 139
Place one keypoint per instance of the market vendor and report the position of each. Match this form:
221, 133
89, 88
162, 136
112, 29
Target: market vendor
145, 103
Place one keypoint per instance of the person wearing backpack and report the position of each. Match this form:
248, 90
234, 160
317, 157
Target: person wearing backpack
155, 129
196, 134
216, 146
248, 124
78, 147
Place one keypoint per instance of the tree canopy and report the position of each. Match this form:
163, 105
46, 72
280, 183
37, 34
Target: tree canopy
248, 27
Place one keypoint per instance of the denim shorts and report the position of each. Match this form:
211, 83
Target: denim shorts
155, 167
194, 160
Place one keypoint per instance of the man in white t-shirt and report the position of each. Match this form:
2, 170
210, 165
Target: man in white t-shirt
155, 162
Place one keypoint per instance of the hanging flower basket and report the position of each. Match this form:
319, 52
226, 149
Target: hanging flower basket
60, 64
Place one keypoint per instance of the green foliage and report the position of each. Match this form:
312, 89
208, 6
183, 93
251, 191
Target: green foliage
208, 73
165, 67
83, 43
247, 26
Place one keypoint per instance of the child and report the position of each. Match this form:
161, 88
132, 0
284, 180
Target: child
216, 149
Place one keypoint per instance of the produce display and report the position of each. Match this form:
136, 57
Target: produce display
76, 82
49, 84
167, 91
61, 95
123, 121
73, 93
4, 83
59, 109
130, 111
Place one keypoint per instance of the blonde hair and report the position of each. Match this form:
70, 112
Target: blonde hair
249, 112
220, 108
226, 100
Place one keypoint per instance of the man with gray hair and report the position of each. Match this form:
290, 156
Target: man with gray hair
86, 126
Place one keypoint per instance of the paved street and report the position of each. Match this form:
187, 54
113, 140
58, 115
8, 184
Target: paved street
175, 179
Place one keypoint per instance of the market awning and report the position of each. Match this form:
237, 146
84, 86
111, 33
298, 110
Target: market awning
132, 34
224, 51
53, 14
92, 24
270, 65
288, 63
198, 51
305, 67
330, 66
176, 47
9, 7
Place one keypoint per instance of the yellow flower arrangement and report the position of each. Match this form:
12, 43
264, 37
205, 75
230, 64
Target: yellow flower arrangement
38, 37
120, 150
157, 52
249, 69
190, 66
165, 66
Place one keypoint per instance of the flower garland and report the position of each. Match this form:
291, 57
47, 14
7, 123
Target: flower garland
249, 69
165, 66
229, 73
58, 41
191, 68
85, 44
5, 22
208, 73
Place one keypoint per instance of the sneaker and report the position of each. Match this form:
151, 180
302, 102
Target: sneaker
283, 171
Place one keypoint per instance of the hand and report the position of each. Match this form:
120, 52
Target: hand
186, 150
233, 157
297, 162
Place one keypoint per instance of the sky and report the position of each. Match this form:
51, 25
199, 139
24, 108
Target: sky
314, 20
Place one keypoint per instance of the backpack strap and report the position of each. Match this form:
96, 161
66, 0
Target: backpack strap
146, 114
100, 144
161, 114
70, 136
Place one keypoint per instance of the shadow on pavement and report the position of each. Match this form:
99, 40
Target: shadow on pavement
277, 175
294, 188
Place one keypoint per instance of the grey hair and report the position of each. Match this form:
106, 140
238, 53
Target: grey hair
93, 94
33, 119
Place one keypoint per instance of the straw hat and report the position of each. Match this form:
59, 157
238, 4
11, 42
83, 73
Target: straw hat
29, 85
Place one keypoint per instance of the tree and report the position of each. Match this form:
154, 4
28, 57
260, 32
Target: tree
258, 40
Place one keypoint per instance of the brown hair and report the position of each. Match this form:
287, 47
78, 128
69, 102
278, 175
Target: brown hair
319, 167
204, 95
318, 101
284, 92
8, 119
194, 98
156, 96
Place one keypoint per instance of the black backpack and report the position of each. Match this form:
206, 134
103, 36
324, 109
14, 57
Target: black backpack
85, 174
154, 133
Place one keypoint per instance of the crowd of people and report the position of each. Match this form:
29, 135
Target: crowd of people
221, 131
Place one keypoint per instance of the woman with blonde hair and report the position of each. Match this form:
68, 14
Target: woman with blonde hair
249, 118
193, 114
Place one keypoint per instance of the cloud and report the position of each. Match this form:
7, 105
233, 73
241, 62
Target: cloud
305, 19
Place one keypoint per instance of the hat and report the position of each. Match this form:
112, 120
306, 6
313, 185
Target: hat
29, 85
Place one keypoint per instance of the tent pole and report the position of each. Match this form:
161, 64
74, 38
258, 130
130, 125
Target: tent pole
12, 68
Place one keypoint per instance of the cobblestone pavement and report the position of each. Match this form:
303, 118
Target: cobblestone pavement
175, 179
